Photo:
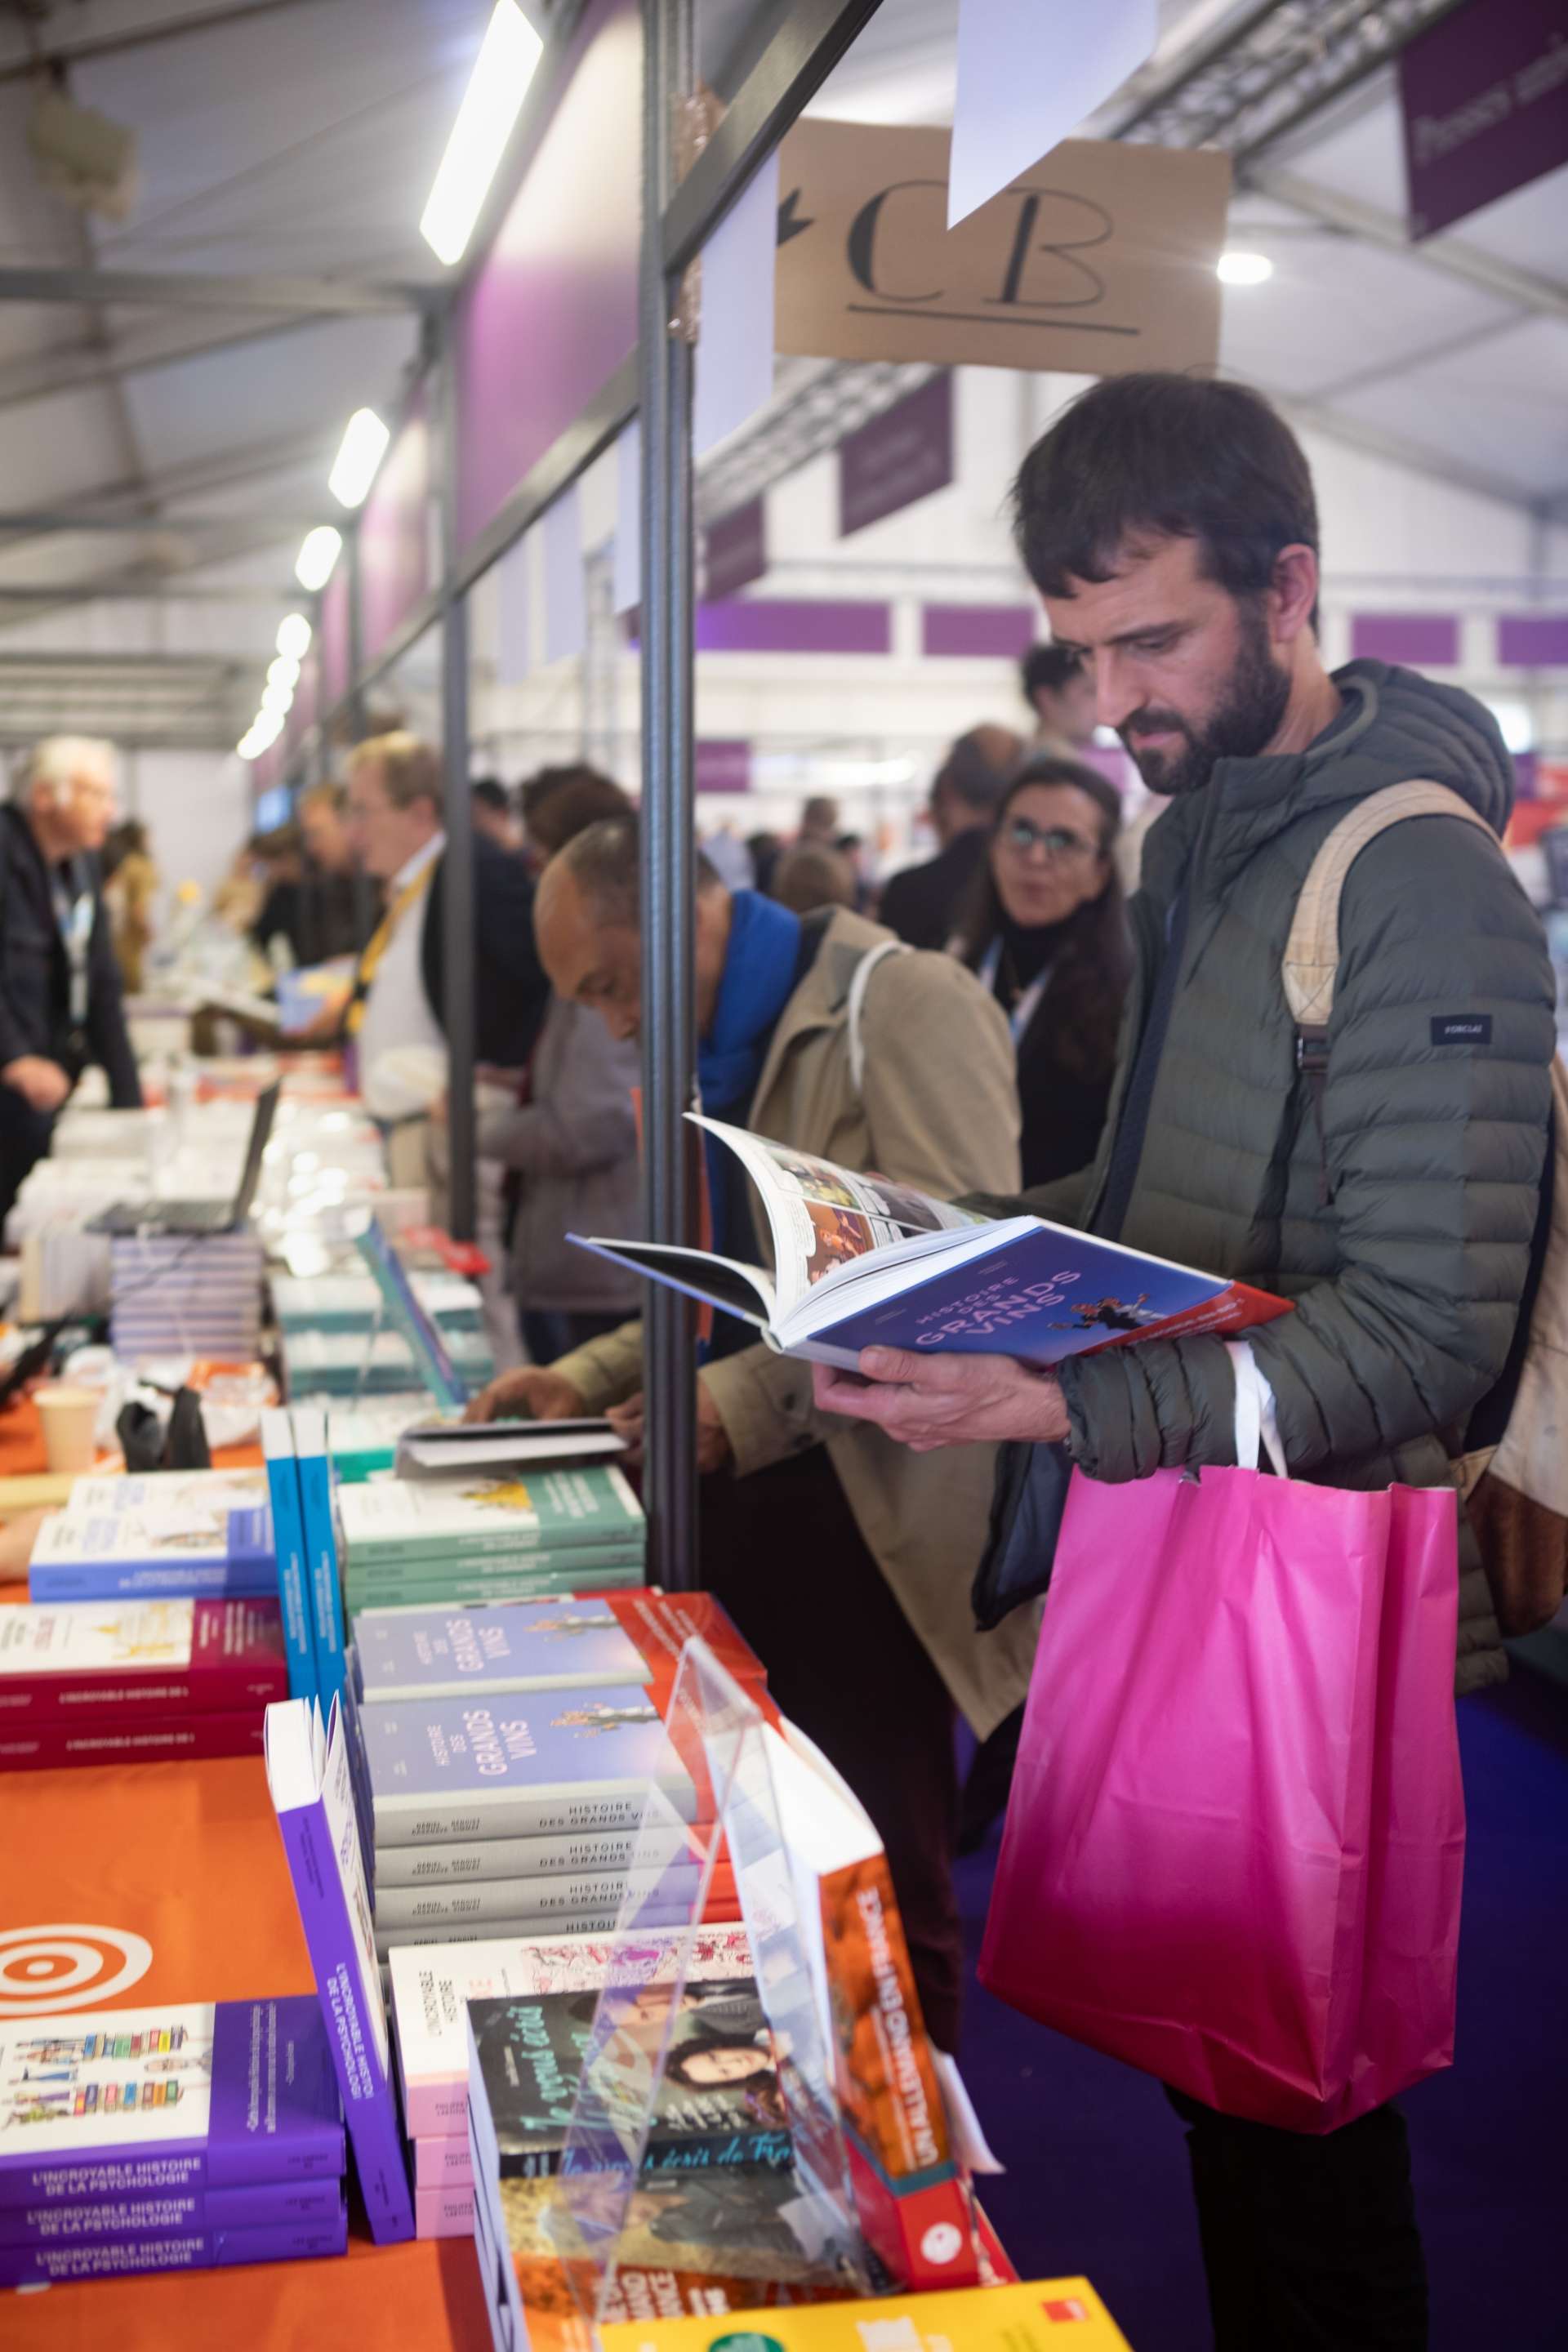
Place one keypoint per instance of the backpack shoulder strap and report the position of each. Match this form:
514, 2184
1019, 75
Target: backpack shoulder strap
1311, 955
857, 1007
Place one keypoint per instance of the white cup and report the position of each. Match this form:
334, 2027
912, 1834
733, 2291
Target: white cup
70, 1416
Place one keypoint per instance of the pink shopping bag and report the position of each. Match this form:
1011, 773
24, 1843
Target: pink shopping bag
1234, 1848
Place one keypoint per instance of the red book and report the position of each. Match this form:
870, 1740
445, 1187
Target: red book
47, 1747
88, 1662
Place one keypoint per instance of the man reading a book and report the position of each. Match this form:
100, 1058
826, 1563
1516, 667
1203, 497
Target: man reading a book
1388, 1180
844, 1560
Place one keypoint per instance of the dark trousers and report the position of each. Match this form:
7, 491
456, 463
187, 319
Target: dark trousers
549, 1332
1309, 2243
782, 1551
25, 1138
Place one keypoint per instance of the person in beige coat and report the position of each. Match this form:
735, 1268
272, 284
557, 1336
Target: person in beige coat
846, 1560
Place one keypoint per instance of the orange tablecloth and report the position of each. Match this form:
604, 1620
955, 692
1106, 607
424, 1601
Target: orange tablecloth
187, 1857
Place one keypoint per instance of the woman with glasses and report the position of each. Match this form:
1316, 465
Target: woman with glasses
1044, 927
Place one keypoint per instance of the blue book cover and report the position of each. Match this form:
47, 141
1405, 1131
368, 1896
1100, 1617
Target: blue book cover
437, 1369
326, 1598
173, 1533
264, 2204
189, 2097
516, 1645
133, 2252
523, 1764
289, 1535
308, 1776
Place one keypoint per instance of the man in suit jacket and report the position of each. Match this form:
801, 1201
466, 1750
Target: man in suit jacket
60, 1003
395, 794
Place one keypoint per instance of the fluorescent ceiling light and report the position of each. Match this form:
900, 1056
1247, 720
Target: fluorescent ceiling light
1244, 269
266, 727
277, 698
318, 555
294, 635
491, 104
247, 747
283, 672
353, 469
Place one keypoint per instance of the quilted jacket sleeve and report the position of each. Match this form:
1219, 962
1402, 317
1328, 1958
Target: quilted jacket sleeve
1435, 1153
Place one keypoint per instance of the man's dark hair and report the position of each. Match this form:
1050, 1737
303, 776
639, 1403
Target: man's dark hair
605, 860
494, 795
1141, 458
561, 802
1046, 669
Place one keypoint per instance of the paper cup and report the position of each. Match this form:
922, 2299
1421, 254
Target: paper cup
70, 1416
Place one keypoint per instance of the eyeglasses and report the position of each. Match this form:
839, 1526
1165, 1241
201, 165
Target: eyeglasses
1023, 838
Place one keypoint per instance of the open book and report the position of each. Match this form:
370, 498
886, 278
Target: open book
859, 1262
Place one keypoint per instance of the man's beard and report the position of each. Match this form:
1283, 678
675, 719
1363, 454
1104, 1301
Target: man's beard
1247, 718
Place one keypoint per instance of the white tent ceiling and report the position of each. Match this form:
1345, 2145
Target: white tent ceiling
298, 138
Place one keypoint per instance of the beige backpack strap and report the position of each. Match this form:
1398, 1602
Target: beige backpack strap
1312, 951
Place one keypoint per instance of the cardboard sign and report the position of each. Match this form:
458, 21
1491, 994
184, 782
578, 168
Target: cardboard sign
1098, 260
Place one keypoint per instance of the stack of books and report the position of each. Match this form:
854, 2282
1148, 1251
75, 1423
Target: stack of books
362, 1438
186, 2137
500, 1536
118, 1682
169, 1535
351, 1302
431, 1987
353, 1363
185, 1295
524, 1736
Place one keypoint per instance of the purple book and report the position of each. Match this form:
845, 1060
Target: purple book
269, 2205
312, 1794
152, 2102
183, 2250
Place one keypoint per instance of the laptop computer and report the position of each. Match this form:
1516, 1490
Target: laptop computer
197, 1217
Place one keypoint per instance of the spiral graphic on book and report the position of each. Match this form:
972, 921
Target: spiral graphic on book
43, 1970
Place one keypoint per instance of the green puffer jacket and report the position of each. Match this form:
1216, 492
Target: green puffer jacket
1407, 1280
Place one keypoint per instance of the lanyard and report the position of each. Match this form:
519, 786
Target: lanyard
378, 943
1028, 1006
74, 919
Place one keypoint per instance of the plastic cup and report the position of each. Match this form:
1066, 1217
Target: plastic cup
70, 1416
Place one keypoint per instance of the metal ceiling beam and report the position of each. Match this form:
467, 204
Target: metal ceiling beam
75, 366
253, 537
42, 521
23, 62
185, 289
1376, 441
137, 664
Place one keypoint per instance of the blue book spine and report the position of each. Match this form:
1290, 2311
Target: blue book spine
315, 1471
192, 2249
166, 1580
288, 1533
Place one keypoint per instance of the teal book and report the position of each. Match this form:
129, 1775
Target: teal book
288, 1536
321, 1549
502, 1515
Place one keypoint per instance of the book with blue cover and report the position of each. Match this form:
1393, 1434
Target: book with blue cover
185, 2097
171, 1534
525, 1764
309, 1778
133, 2252
323, 1586
288, 1536
860, 1261
414, 1654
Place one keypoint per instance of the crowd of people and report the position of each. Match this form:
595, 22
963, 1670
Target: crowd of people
1010, 1026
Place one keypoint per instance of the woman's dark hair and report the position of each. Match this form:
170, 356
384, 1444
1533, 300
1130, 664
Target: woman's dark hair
676, 2065
1091, 970
1163, 456
561, 802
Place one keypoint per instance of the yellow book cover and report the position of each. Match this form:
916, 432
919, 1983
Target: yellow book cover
1049, 2316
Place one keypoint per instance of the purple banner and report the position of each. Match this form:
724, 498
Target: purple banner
721, 767
1484, 95
1533, 640
899, 456
332, 635
1425, 640
978, 632
735, 549
553, 311
394, 534
788, 624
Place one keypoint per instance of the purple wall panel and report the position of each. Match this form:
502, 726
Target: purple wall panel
897, 458
735, 549
1533, 640
553, 311
721, 766
394, 534
1425, 640
1485, 103
332, 635
977, 631
788, 624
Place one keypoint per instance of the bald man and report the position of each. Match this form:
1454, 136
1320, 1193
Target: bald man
922, 903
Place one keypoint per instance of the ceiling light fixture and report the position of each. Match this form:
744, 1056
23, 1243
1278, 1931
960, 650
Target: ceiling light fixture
280, 698
505, 66
283, 672
1240, 268
353, 469
294, 634
318, 555
265, 728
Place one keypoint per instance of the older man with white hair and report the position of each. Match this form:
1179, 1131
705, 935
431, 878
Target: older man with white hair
60, 985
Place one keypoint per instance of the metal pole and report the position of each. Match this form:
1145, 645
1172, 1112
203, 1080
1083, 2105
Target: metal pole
364, 890
457, 865
668, 1037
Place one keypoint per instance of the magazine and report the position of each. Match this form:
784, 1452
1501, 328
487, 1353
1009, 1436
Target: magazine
861, 1262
